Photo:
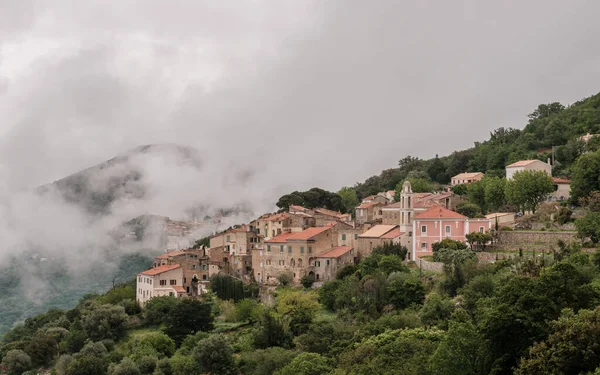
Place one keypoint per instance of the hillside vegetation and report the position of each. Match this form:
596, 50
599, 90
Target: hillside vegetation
522, 315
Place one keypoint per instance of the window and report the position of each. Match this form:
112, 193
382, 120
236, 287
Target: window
343, 236
172, 282
301, 249
268, 263
423, 229
228, 239
268, 248
424, 246
281, 248
261, 264
289, 249
327, 261
447, 230
310, 250
355, 236
139, 279
184, 280
481, 229
163, 282
282, 262
318, 263
170, 294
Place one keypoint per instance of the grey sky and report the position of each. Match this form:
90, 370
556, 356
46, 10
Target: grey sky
305, 93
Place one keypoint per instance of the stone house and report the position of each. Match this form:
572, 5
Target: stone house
165, 280
562, 190
528, 165
195, 267
290, 252
504, 218
324, 266
375, 198
377, 236
438, 223
369, 212
466, 178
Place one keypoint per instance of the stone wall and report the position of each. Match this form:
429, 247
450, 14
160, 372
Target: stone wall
535, 237
429, 266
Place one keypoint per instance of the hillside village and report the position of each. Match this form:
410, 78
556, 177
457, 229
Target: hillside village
316, 243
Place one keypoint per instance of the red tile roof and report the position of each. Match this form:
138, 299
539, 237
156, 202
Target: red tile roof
327, 212
392, 234
160, 269
393, 205
558, 180
522, 163
368, 205
309, 233
439, 213
369, 197
335, 252
179, 288
277, 217
171, 254
297, 208
281, 238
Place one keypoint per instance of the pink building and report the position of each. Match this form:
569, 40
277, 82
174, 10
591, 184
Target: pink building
438, 223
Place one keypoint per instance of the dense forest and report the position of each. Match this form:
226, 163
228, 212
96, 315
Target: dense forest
524, 315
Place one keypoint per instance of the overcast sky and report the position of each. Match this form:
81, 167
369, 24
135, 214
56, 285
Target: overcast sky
307, 93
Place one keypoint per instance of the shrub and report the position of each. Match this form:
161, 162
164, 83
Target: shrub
16, 362
215, 356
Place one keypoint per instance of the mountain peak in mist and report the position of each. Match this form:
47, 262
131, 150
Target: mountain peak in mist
96, 188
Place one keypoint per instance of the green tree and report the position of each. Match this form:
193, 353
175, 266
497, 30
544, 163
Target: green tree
247, 310
585, 175
478, 240
437, 170
527, 189
390, 248
265, 361
468, 209
16, 362
158, 308
349, 199
589, 226
215, 356
188, 317
104, 322
270, 332
546, 110
436, 311
572, 347
460, 351
494, 193
460, 189
307, 364
403, 293
42, 348
299, 306
87, 365
476, 193
125, 367
153, 343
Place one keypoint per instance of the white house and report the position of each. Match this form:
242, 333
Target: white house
165, 280
527, 165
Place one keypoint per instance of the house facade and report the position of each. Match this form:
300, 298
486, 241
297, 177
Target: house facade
377, 236
562, 188
195, 266
324, 266
528, 165
466, 178
291, 252
439, 223
164, 280
369, 212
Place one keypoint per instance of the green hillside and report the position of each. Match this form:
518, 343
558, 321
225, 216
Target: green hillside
549, 125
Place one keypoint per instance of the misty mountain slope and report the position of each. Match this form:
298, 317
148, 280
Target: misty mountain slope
122, 177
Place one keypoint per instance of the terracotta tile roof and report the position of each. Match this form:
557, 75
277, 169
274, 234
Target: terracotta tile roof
335, 252
392, 234
558, 180
171, 254
439, 213
160, 269
424, 203
369, 197
277, 217
522, 163
377, 231
309, 233
281, 238
179, 289
393, 206
368, 205
467, 175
